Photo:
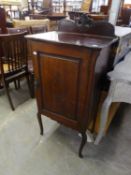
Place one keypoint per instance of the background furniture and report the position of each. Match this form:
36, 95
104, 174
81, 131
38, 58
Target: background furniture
37, 16
68, 80
13, 62
18, 30
120, 91
125, 16
52, 17
119, 50
38, 29
35, 5
32, 22
29, 30
21, 23
56, 16
2, 21
86, 25
74, 15
2, 30
98, 17
12, 9
94, 16
60, 6
104, 9
124, 42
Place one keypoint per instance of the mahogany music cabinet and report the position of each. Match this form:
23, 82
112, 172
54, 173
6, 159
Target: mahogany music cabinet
69, 69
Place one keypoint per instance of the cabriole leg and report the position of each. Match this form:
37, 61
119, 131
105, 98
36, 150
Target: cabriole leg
83, 142
40, 123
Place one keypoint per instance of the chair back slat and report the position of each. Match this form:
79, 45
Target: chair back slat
14, 52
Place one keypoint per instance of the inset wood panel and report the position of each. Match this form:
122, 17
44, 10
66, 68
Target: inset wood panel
60, 93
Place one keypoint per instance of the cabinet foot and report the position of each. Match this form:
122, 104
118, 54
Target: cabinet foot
83, 142
40, 123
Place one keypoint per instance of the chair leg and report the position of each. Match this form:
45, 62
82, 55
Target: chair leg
29, 86
18, 83
9, 97
15, 83
1, 85
32, 84
103, 119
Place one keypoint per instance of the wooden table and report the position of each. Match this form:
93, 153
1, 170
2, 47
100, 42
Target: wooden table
68, 76
98, 17
56, 16
52, 17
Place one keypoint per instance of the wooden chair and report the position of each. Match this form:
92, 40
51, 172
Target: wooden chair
13, 62
30, 66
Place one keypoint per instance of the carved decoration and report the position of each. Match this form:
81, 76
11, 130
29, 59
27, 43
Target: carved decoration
86, 25
84, 21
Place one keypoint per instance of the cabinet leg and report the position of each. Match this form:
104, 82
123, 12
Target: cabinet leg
40, 123
83, 142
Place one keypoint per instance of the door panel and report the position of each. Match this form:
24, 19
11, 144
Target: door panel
60, 93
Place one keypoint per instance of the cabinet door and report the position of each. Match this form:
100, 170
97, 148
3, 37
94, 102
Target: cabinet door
60, 82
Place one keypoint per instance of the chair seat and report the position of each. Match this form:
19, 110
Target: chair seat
5, 68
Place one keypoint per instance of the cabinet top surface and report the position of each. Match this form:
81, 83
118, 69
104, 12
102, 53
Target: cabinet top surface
91, 41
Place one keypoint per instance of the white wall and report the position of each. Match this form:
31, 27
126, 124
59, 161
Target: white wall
114, 11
